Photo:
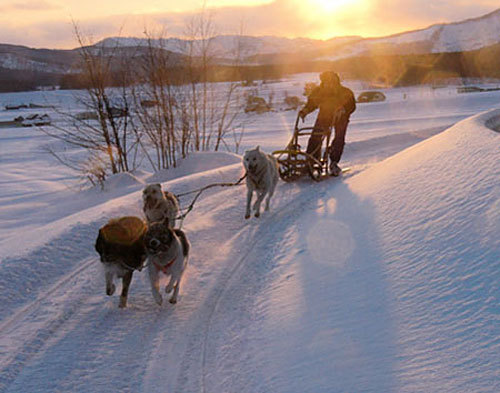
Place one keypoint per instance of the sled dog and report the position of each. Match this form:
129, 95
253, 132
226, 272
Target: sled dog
168, 251
159, 205
120, 246
262, 176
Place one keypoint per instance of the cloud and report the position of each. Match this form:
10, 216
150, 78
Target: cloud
290, 18
287, 18
58, 34
31, 5
392, 16
42, 35
281, 17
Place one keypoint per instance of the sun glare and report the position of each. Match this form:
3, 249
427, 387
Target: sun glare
329, 5
333, 18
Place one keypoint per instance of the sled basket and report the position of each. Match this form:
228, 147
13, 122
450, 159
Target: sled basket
293, 163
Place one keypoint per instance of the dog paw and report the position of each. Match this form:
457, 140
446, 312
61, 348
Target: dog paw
168, 289
110, 290
173, 300
247, 216
257, 214
158, 299
123, 303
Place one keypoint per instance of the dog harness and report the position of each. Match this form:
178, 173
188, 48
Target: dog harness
256, 178
164, 269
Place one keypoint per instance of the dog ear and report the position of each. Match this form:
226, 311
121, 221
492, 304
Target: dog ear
166, 221
158, 185
257, 148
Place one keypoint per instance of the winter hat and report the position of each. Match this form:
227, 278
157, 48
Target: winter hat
329, 76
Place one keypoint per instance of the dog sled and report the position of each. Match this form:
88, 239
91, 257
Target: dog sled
294, 163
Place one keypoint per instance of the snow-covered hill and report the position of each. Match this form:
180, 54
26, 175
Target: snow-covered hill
465, 35
15, 57
433, 214
469, 34
229, 45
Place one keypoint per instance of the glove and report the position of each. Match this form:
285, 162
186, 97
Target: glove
302, 115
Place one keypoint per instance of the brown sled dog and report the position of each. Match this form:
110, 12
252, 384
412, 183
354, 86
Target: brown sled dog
121, 248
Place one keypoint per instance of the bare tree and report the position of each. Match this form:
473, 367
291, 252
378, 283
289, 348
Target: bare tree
214, 108
103, 130
155, 104
201, 31
168, 106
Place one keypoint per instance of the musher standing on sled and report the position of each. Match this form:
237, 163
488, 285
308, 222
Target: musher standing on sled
335, 103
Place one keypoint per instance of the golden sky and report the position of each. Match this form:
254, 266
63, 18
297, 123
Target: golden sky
47, 23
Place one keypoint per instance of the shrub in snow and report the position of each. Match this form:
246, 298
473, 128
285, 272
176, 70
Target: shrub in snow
257, 104
292, 103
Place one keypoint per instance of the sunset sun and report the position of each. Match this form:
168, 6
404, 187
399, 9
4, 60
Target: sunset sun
327, 18
329, 5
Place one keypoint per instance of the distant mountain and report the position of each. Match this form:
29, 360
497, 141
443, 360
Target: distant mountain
474, 43
16, 57
23, 68
226, 46
467, 35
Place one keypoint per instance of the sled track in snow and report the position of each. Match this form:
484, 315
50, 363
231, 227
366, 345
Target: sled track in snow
56, 305
51, 321
259, 233
42, 297
216, 301
32, 273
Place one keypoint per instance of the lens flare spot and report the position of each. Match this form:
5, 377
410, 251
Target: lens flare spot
330, 242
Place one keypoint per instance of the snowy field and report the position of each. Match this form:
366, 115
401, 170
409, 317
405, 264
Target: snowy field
384, 280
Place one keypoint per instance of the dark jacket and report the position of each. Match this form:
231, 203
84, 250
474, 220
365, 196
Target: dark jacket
329, 101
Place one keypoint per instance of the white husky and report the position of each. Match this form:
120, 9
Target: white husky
262, 177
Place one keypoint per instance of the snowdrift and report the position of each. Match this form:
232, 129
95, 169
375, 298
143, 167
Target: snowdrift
427, 223
383, 282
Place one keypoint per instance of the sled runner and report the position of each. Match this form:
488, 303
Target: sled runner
293, 163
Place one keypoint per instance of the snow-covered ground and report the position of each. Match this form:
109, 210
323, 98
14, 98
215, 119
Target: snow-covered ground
385, 280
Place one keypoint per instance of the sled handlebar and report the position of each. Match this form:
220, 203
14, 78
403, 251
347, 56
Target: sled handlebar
297, 121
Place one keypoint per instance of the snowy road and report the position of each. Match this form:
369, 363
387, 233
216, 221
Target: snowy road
74, 333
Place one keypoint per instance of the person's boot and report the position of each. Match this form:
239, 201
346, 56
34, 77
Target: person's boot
334, 169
